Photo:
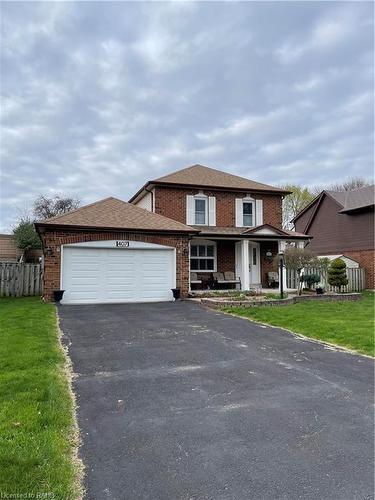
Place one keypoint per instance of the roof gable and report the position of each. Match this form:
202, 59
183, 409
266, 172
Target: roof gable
112, 213
265, 229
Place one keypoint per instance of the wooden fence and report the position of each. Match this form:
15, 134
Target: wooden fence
19, 279
355, 275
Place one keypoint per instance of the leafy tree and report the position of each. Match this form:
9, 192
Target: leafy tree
26, 237
45, 207
337, 273
294, 202
297, 259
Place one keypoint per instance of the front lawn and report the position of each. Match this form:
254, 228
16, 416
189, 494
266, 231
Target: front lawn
37, 434
348, 324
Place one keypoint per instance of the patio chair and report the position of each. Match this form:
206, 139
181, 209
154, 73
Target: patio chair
194, 279
273, 279
230, 277
226, 278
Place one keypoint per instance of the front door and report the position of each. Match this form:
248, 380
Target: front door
254, 264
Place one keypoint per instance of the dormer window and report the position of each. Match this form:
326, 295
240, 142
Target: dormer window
200, 212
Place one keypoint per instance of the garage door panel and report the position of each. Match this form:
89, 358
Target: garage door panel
117, 275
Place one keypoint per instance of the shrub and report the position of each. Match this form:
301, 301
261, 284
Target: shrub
337, 274
310, 279
26, 237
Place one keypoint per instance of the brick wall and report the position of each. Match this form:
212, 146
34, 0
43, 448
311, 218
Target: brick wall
226, 256
171, 202
265, 265
366, 260
54, 240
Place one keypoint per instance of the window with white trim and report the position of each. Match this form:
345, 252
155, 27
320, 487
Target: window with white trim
200, 211
202, 257
248, 213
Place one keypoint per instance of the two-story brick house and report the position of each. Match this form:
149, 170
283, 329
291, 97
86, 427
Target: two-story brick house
196, 220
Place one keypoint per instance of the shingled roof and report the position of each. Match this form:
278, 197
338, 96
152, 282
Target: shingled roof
355, 199
201, 176
112, 213
348, 200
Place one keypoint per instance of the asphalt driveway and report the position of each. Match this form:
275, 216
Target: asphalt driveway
180, 402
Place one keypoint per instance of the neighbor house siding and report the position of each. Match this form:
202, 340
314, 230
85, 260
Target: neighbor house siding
351, 234
333, 232
171, 202
55, 238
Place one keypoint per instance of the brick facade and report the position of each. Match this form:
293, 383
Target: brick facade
265, 265
53, 239
366, 259
225, 256
171, 202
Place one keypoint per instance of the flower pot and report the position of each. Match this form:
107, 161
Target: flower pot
58, 295
319, 291
176, 293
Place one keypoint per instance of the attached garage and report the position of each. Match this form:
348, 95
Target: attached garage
117, 271
112, 251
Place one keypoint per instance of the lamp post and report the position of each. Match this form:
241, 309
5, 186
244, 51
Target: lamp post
281, 274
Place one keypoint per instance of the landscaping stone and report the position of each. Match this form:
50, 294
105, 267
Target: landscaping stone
217, 303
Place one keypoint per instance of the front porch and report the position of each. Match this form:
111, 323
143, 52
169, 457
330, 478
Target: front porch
237, 262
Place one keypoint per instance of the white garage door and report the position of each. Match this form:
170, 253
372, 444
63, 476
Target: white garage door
139, 273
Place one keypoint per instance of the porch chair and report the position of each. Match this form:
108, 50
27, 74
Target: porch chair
230, 278
273, 279
194, 279
226, 278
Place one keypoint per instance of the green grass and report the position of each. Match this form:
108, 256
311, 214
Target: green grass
37, 433
348, 324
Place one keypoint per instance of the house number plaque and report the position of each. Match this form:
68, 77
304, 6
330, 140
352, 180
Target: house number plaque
122, 243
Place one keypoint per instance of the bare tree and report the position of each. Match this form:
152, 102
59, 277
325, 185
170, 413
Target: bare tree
349, 184
297, 259
45, 207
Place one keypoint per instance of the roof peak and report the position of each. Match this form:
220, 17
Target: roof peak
202, 175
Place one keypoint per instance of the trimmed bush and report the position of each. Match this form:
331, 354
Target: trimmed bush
337, 274
310, 279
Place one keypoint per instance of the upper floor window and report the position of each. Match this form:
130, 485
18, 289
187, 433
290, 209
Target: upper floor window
248, 213
200, 211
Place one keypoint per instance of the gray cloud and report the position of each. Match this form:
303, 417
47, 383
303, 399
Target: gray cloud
97, 98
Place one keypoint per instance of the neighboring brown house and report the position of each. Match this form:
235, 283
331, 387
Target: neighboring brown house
342, 222
179, 228
9, 252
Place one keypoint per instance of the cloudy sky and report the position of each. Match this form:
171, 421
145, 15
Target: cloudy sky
98, 97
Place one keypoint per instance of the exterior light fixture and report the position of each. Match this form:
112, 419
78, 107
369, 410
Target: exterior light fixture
269, 256
48, 251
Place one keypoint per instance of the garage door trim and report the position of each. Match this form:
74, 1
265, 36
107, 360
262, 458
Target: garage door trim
114, 246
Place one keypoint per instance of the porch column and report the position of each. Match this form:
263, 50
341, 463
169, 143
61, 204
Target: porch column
282, 246
245, 276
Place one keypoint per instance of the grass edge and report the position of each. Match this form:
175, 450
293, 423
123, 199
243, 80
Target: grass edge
74, 434
330, 345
